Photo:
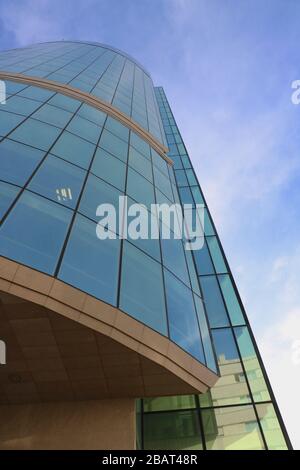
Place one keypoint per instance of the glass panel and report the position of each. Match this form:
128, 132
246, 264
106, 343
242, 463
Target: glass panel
74, 149
117, 128
39, 94
85, 129
91, 264
17, 161
183, 325
149, 245
36, 133
140, 145
8, 193
169, 403
186, 196
271, 427
142, 294
34, 232
141, 164
59, 181
140, 189
206, 340
98, 192
231, 388
19, 105
92, 114
231, 428
232, 303
181, 178
8, 121
214, 304
114, 145
159, 162
174, 258
197, 195
216, 255
52, 115
253, 370
203, 261
172, 431
64, 102
109, 168
163, 184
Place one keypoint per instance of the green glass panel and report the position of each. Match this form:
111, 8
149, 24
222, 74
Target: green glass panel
271, 427
251, 364
178, 431
231, 428
169, 403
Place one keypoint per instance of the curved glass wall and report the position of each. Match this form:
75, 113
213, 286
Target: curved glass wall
239, 412
59, 160
95, 69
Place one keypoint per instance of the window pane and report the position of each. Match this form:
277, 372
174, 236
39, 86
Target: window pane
253, 370
181, 178
17, 161
64, 102
74, 149
206, 340
34, 232
58, 180
214, 304
19, 105
114, 145
163, 184
91, 264
142, 293
92, 114
231, 428
8, 193
232, 303
174, 258
271, 427
117, 128
140, 145
169, 403
39, 94
85, 129
203, 261
8, 121
216, 255
184, 329
172, 431
36, 133
52, 115
98, 192
140, 189
109, 168
231, 387
141, 164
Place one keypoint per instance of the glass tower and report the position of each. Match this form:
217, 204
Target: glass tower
82, 125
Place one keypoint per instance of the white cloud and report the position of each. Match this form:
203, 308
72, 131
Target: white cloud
278, 350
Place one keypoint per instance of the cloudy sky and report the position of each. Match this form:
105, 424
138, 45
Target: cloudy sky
227, 68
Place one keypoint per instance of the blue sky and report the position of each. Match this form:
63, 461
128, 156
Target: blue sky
227, 68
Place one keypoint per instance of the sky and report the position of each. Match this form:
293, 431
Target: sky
227, 68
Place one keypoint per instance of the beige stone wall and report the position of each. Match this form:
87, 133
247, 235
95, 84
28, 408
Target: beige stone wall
95, 424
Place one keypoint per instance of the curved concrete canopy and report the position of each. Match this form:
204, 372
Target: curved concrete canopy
65, 344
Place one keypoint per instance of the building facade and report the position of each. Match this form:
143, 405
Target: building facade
92, 325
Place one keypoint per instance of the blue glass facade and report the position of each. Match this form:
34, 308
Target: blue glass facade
59, 159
